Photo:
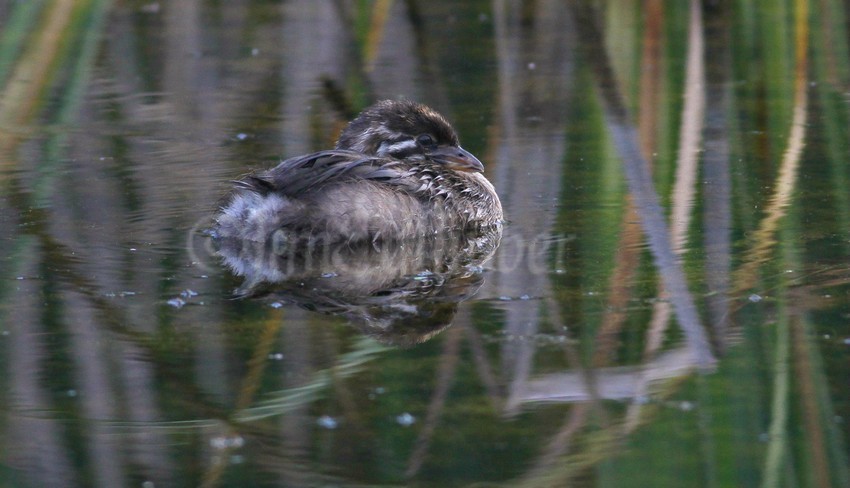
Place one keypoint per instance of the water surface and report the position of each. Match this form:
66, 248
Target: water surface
668, 305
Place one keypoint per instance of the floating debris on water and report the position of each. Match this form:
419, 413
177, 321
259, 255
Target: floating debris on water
540, 339
405, 419
227, 442
754, 298
276, 356
327, 422
176, 302
120, 294
275, 304
423, 275
188, 293
377, 391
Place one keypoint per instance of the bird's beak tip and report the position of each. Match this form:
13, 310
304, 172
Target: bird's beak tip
458, 158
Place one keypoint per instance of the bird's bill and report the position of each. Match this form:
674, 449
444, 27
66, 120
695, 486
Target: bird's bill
457, 158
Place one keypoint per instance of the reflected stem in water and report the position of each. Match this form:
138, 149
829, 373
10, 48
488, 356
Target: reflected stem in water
687, 165
764, 239
445, 374
250, 385
641, 186
22, 93
482, 366
716, 175
802, 353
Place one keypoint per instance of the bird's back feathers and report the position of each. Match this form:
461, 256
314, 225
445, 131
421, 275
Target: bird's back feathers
297, 176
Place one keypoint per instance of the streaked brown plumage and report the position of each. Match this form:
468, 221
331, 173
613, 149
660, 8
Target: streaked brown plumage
397, 172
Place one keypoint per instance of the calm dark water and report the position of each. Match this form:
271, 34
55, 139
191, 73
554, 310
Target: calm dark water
668, 304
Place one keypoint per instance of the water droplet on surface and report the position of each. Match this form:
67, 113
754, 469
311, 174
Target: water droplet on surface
405, 419
225, 442
327, 422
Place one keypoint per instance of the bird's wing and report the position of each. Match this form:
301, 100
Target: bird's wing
297, 175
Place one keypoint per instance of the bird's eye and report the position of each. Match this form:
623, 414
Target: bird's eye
425, 140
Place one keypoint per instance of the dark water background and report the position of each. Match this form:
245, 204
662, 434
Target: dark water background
669, 306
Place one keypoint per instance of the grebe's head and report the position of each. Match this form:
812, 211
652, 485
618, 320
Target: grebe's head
409, 131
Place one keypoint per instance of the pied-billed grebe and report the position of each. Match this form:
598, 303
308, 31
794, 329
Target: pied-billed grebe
397, 172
